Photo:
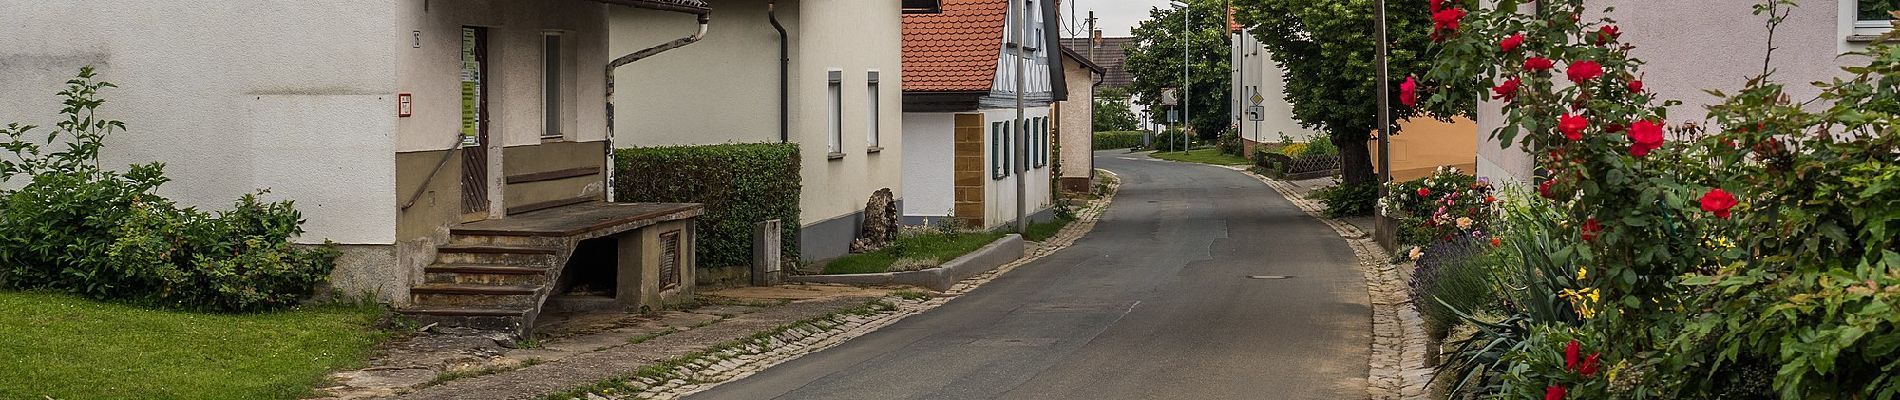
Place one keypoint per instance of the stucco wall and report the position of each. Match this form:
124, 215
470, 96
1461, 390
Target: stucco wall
1424, 144
233, 96
929, 162
723, 89
1077, 120
515, 28
1260, 74
1693, 46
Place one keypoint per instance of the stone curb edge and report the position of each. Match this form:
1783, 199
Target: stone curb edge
995, 254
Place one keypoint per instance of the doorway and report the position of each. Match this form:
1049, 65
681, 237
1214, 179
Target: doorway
474, 86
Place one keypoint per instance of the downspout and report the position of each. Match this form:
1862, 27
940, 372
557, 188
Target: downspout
784, 75
705, 18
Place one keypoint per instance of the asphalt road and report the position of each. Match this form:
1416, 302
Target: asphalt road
1156, 303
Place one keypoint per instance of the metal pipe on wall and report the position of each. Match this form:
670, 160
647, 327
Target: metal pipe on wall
705, 20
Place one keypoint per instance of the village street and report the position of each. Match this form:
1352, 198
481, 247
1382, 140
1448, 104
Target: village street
1161, 300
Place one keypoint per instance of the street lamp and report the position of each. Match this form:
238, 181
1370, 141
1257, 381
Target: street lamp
1184, 74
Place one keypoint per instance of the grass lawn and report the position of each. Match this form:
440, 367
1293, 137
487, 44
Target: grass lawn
937, 247
1043, 231
1204, 156
65, 347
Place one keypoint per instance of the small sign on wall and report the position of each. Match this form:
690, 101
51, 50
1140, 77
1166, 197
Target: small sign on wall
405, 107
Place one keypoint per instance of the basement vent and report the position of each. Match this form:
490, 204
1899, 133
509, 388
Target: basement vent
669, 260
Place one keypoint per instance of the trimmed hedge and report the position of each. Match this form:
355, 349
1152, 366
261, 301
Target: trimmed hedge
740, 184
1117, 140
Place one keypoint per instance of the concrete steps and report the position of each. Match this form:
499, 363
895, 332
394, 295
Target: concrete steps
485, 282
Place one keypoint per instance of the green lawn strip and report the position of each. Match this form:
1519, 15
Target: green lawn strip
677, 367
1045, 230
67, 347
939, 247
1204, 156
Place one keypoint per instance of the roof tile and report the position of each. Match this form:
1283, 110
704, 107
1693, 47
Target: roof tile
955, 50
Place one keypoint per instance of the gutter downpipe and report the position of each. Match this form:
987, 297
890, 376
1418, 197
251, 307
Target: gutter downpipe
784, 74
705, 19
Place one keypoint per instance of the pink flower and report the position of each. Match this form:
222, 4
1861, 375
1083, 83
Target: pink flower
1507, 90
1644, 136
1511, 43
1408, 92
1581, 71
1538, 64
1572, 126
1718, 202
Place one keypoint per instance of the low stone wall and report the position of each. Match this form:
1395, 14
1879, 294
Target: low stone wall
984, 259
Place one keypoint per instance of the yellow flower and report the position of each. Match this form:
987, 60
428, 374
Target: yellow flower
1464, 223
1583, 300
1583, 273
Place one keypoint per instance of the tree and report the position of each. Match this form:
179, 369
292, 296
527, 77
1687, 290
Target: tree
1155, 61
1327, 49
1112, 114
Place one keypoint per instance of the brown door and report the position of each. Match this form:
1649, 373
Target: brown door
474, 123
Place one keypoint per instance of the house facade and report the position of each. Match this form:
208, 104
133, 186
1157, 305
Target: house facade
1730, 44
963, 158
841, 101
1261, 109
1075, 123
391, 124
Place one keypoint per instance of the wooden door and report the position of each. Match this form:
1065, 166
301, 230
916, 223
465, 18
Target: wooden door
475, 202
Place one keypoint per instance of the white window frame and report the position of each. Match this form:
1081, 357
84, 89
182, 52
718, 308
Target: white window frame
835, 100
554, 75
872, 111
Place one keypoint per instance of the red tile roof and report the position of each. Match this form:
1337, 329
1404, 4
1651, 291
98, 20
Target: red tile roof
956, 50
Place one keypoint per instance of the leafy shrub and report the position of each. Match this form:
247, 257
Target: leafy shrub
1170, 140
1229, 143
1434, 208
1320, 147
1348, 200
740, 184
79, 228
1113, 115
1450, 277
1117, 140
1293, 149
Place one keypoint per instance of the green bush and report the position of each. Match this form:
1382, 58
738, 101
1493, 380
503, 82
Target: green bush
740, 184
1348, 200
1440, 206
1229, 143
76, 227
1320, 147
1112, 115
1169, 140
1117, 140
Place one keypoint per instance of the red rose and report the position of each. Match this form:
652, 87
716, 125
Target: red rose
1437, 5
1612, 127
1543, 189
1718, 202
1572, 126
1607, 34
1495, 242
1591, 364
1644, 136
1408, 92
1570, 354
1423, 192
1447, 19
1511, 43
1590, 229
1554, 392
1538, 64
1507, 91
1581, 71
1636, 86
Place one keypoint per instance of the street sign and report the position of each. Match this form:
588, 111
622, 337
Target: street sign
1173, 117
1168, 97
1256, 113
1256, 98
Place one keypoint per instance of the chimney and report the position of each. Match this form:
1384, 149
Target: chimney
1095, 39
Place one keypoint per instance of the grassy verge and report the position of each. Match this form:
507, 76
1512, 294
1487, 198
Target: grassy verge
1204, 156
1043, 231
59, 346
930, 247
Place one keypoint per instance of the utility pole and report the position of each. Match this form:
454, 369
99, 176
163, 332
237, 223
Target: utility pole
1022, 131
1185, 10
1385, 99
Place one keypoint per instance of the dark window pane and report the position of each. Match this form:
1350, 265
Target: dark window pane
1876, 10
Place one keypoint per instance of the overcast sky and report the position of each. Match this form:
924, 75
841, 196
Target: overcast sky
1114, 17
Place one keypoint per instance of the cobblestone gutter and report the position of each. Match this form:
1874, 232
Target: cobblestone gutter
701, 370
1399, 342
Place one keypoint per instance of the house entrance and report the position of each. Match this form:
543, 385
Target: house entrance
474, 123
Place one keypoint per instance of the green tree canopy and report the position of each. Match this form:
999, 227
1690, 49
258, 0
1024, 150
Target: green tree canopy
1327, 48
1155, 57
1112, 114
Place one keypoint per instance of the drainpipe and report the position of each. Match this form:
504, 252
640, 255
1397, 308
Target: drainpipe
704, 20
784, 75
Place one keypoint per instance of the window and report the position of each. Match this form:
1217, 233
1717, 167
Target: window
1873, 13
997, 169
836, 97
871, 131
1041, 130
551, 85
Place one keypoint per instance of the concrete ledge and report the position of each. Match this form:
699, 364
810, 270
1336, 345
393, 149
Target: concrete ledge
1002, 251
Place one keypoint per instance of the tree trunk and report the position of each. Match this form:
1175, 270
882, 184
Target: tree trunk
1355, 162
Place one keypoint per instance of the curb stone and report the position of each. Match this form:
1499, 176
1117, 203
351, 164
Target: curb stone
1399, 343
748, 357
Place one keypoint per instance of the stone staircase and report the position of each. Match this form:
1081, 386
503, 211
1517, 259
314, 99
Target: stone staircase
487, 281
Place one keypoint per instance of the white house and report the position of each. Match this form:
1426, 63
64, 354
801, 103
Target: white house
1260, 107
840, 102
962, 156
392, 124
1075, 122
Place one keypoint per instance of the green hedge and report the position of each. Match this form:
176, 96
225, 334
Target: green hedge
740, 184
1117, 140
